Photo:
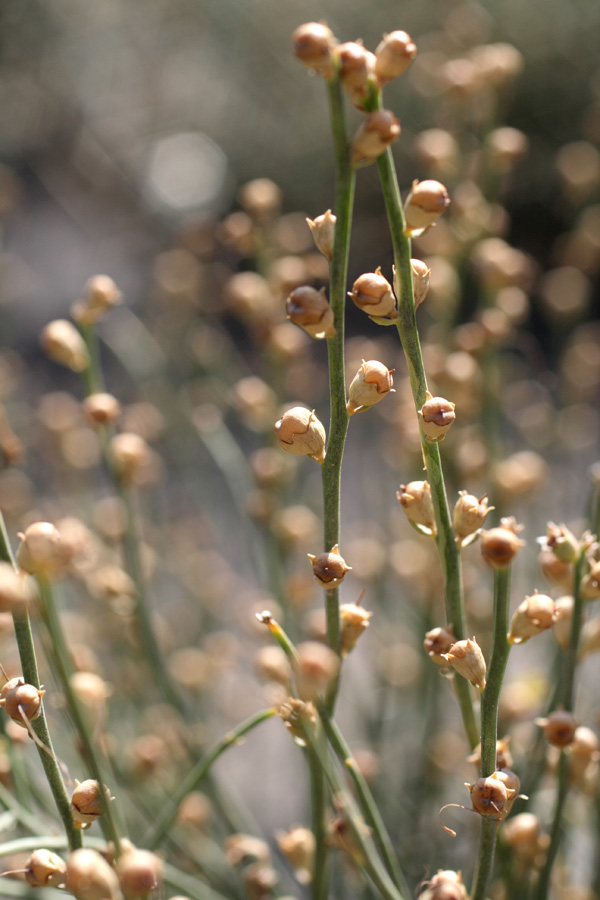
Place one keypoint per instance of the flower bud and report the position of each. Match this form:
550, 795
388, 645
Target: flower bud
45, 869
295, 714
420, 274
300, 432
490, 797
90, 877
563, 609
354, 620
18, 592
469, 515
329, 568
438, 642
373, 294
590, 584
446, 885
129, 453
522, 834
436, 417
534, 615
512, 783
556, 570
139, 872
42, 551
426, 202
370, 385
313, 43
377, 132
499, 546
415, 500
298, 847
393, 56
356, 67
562, 542
323, 232
86, 802
19, 699
466, 658
101, 409
559, 727
61, 341
310, 309
100, 294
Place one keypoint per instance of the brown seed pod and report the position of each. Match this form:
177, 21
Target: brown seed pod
559, 727
310, 309
466, 658
436, 416
329, 568
19, 699
139, 872
503, 754
18, 592
63, 344
313, 43
356, 67
86, 802
370, 385
300, 432
490, 796
101, 409
373, 293
315, 668
499, 546
354, 621
446, 885
394, 55
323, 232
438, 642
90, 877
42, 551
45, 869
534, 615
426, 202
469, 515
421, 274
377, 132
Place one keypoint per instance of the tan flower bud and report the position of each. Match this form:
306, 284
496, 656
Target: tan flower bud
559, 727
295, 714
499, 546
394, 55
446, 885
101, 409
313, 43
45, 869
354, 620
426, 202
469, 515
329, 568
373, 294
415, 500
61, 341
438, 642
556, 570
261, 199
506, 147
18, 592
503, 754
90, 877
18, 699
300, 432
436, 417
466, 658
490, 797
377, 132
512, 783
323, 232
356, 67
42, 551
86, 802
420, 274
129, 453
310, 309
562, 542
298, 847
534, 615
139, 872
100, 294
563, 608
370, 385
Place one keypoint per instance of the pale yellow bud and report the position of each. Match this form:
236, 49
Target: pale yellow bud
100, 294
300, 432
415, 499
534, 615
313, 43
42, 551
426, 202
329, 568
394, 55
466, 658
370, 385
436, 416
310, 309
101, 409
469, 515
373, 294
377, 132
45, 869
323, 232
89, 877
61, 341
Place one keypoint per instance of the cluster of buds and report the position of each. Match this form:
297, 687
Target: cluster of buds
436, 417
373, 294
500, 545
370, 385
87, 803
468, 517
535, 614
466, 658
21, 701
300, 432
415, 499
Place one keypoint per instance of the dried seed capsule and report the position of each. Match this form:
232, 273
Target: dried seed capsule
373, 294
19, 699
555, 570
354, 620
310, 309
377, 132
86, 802
18, 592
420, 274
503, 755
499, 546
563, 608
446, 885
356, 67
415, 500
490, 796
90, 877
426, 202
534, 615
45, 869
42, 551
370, 385
313, 43
61, 341
512, 783
466, 658
437, 642
100, 294
329, 568
298, 847
394, 55
323, 232
436, 416
469, 515
101, 409
559, 727
562, 542
300, 432
522, 833
295, 714
139, 872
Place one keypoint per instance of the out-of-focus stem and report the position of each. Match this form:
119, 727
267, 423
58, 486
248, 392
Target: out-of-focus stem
24, 637
568, 685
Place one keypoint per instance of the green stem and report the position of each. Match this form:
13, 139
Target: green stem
489, 723
26, 647
366, 801
61, 662
196, 775
319, 886
568, 686
406, 324
557, 827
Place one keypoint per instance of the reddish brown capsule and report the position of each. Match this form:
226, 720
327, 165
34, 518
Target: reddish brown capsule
559, 728
329, 568
499, 546
21, 700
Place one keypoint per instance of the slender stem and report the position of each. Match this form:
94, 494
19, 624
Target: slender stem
366, 801
60, 660
319, 886
406, 324
568, 686
26, 647
489, 723
197, 773
557, 827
